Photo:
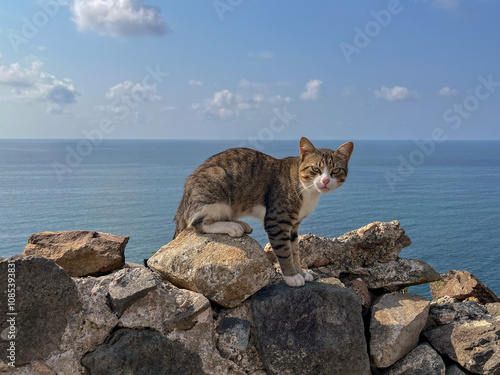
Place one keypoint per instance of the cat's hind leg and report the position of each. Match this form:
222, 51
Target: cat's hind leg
215, 218
225, 227
246, 227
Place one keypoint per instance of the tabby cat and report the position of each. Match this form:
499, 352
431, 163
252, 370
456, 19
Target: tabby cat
241, 182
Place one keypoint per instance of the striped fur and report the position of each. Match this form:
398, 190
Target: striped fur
242, 182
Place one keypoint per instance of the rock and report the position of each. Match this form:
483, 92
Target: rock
133, 265
224, 269
375, 242
395, 275
45, 299
165, 308
359, 287
493, 309
423, 360
234, 333
128, 286
81, 252
462, 285
475, 345
396, 322
141, 352
316, 329
454, 369
448, 310
332, 281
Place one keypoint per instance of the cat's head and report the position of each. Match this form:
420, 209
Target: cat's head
323, 170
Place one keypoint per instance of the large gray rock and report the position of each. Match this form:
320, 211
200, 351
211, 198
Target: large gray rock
454, 369
80, 252
448, 310
45, 298
224, 269
462, 285
475, 344
316, 329
375, 242
396, 322
128, 286
141, 352
395, 275
423, 360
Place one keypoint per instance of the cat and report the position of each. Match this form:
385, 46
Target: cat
281, 193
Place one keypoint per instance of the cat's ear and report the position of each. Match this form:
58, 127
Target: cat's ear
306, 147
345, 150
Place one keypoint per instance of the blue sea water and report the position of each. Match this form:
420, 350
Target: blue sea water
447, 198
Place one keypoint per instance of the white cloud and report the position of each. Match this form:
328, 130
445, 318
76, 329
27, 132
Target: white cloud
447, 91
194, 82
250, 96
395, 93
119, 18
32, 84
313, 90
130, 92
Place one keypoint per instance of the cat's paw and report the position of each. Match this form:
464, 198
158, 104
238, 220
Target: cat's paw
308, 277
297, 280
234, 229
246, 227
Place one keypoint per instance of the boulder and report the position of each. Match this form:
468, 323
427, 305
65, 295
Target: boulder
37, 303
423, 360
454, 369
394, 275
165, 308
396, 322
316, 329
359, 287
80, 252
234, 334
475, 344
141, 352
493, 309
129, 285
462, 285
448, 310
224, 269
375, 242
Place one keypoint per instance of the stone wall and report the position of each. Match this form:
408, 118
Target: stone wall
211, 304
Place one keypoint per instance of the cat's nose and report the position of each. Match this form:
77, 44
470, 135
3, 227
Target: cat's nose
325, 181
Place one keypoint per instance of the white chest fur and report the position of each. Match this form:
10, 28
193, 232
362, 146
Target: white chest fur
308, 205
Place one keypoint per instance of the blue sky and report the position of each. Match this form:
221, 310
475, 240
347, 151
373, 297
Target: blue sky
241, 69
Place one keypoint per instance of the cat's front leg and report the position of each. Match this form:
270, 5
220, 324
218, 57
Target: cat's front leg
296, 253
279, 233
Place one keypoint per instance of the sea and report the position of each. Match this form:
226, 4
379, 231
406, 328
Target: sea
445, 195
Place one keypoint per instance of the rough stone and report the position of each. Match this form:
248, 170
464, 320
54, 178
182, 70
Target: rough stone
128, 286
234, 333
81, 252
45, 299
316, 329
394, 275
359, 287
475, 345
423, 360
448, 310
165, 308
224, 269
454, 369
462, 285
396, 322
493, 309
375, 242
141, 352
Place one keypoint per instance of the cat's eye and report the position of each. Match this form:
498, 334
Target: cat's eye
316, 169
336, 171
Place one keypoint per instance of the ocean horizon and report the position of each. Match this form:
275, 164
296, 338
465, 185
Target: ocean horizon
445, 195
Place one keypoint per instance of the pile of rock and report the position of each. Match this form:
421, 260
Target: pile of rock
212, 304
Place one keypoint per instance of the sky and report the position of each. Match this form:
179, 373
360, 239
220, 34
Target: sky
250, 70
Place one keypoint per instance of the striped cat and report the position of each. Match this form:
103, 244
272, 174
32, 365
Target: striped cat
241, 182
